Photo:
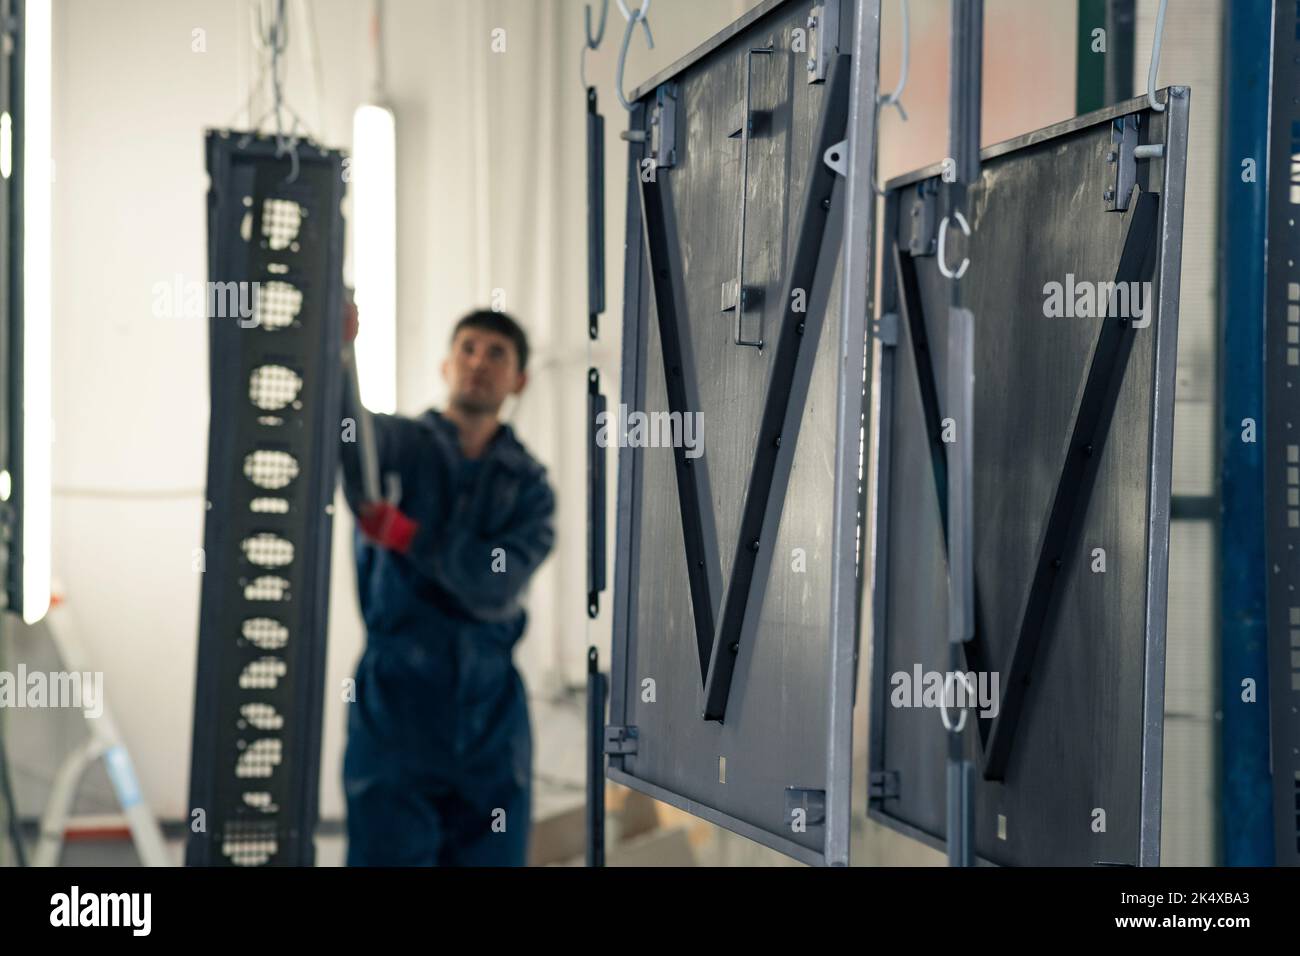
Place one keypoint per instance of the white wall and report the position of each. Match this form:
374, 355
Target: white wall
491, 195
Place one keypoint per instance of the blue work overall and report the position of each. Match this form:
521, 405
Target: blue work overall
437, 769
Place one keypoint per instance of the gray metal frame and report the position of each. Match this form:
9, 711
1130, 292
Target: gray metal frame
850, 203
885, 788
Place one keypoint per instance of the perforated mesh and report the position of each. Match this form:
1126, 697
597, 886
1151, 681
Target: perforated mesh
270, 469
272, 387
262, 674
281, 220
261, 759
247, 843
266, 633
278, 304
255, 775
262, 716
260, 800
268, 587
268, 550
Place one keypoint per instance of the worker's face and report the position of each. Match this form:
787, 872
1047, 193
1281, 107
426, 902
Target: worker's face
482, 369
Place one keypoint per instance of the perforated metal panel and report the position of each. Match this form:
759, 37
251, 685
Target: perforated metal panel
272, 450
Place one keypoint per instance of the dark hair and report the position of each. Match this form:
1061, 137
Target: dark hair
500, 323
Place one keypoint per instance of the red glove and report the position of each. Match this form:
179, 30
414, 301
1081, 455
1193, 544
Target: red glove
384, 524
351, 325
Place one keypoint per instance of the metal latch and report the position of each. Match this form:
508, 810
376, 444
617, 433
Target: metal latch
1123, 143
823, 39
620, 740
663, 126
883, 785
811, 802
923, 219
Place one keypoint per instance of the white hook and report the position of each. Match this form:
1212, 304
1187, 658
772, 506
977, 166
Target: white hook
943, 232
632, 21
943, 699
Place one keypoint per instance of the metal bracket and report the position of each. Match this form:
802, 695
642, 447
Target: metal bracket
663, 126
811, 802
883, 785
1124, 141
596, 407
823, 39
885, 328
620, 740
747, 124
837, 157
923, 239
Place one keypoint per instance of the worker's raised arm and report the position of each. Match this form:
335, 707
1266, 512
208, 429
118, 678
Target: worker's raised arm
368, 443
487, 572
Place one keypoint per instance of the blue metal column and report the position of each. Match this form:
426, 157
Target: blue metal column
1245, 795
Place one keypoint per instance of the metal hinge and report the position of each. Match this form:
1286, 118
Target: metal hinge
885, 328
663, 126
823, 39
620, 740
1125, 153
883, 785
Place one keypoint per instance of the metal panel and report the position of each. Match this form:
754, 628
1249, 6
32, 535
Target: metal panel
1282, 448
272, 453
779, 515
1072, 452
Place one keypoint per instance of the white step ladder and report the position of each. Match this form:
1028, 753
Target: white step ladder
105, 742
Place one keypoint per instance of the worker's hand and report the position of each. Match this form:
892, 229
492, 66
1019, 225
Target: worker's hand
350, 322
384, 524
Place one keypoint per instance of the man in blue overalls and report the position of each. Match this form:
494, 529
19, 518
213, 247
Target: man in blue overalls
437, 769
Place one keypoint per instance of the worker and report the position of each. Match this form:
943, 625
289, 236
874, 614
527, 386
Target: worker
437, 770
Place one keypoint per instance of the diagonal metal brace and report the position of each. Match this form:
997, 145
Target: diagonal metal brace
696, 503
1094, 408
812, 271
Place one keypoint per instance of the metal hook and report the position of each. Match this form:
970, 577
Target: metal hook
1155, 59
593, 43
943, 233
632, 21
892, 99
640, 15
943, 699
